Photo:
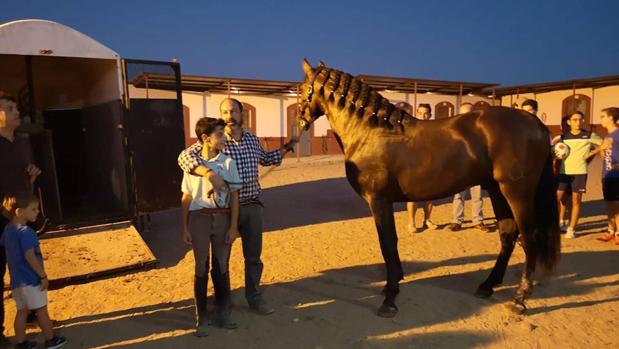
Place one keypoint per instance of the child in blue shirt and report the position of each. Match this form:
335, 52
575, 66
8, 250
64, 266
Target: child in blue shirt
28, 278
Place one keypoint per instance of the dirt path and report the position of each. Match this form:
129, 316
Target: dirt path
324, 272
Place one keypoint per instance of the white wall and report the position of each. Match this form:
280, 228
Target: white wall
551, 103
603, 98
271, 118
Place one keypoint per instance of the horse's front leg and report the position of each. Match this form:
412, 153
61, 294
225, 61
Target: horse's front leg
382, 210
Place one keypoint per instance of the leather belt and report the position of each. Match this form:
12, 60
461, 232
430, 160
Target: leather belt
215, 210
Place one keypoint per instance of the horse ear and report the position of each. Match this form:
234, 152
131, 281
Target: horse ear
321, 64
307, 67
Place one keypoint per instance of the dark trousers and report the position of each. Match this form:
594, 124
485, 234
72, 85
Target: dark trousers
250, 228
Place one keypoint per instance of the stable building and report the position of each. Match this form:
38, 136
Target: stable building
270, 106
561, 98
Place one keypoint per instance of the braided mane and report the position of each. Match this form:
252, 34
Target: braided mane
359, 99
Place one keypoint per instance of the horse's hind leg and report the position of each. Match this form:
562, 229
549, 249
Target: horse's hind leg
508, 233
382, 210
521, 200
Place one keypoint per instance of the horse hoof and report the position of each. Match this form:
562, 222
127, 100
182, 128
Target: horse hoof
483, 292
516, 308
387, 311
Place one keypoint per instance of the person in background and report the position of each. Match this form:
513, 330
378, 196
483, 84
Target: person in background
610, 171
476, 198
424, 112
530, 105
28, 277
565, 205
18, 173
573, 174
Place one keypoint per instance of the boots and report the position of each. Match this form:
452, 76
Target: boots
221, 284
200, 284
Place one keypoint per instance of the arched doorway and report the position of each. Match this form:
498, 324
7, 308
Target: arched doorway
481, 104
406, 107
443, 110
305, 142
249, 118
578, 102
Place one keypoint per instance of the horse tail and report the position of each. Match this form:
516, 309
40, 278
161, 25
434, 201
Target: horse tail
548, 235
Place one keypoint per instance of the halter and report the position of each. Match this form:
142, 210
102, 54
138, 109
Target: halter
303, 123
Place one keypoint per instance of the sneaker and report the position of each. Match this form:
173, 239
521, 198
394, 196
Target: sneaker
261, 308
428, 223
563, 225
26, 345
455, 227
570, 233
481, 226
607, 237
55, 342
224, 321
412, 229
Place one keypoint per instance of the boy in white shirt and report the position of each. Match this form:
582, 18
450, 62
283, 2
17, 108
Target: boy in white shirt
210, 219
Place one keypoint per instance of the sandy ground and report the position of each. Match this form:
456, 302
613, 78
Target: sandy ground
323, 275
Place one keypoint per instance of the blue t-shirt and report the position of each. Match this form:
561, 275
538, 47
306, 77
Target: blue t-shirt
611, 157
17, 239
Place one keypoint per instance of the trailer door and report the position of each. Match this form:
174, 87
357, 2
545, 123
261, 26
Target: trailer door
154, 133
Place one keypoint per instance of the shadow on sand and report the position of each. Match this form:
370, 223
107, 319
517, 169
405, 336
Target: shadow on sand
331, 304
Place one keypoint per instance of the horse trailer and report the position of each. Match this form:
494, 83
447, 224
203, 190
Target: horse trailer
106, 157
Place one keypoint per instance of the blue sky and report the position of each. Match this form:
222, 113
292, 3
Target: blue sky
506, 42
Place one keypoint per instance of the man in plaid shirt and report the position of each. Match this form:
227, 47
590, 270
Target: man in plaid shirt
245, 150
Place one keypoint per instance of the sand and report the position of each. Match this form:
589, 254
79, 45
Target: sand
324, 272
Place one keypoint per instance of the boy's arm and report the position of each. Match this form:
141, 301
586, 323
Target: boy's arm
185, 202
605, 144
233, 231
595, 139
594, 151
37, 266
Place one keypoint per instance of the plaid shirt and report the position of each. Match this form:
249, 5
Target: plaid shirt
247, 153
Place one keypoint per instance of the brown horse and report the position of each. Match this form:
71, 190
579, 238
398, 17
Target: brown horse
393, 157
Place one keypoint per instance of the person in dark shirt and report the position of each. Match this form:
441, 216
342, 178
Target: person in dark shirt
610, 170
18, 171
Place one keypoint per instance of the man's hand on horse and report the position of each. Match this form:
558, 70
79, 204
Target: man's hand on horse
291, 144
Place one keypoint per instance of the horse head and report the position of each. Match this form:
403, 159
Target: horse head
311, 107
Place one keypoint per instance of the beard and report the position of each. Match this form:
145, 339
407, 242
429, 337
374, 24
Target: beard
234, 124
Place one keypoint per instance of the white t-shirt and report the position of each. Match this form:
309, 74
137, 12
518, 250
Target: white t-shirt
198, 187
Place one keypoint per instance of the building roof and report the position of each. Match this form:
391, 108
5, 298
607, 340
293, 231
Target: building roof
398, 84
558, 85
216, 84
381, 83
279, 87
